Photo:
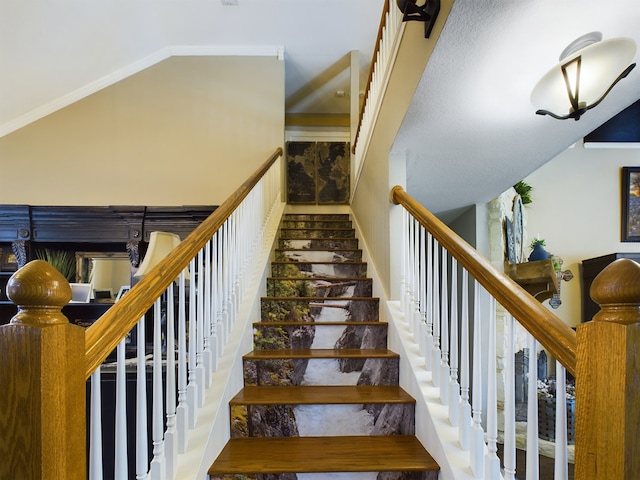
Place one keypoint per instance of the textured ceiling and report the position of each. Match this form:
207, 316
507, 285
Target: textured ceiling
471, 132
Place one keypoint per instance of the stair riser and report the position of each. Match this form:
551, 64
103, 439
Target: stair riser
319, 255
318, 270
314, 224
317, 233
296, 309
317, 243
431, 475
277, 287
302, 336
315, 420
318, 216
350, 371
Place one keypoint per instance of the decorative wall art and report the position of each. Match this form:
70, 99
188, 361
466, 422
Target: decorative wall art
8, 260
301, 172
631, 204
318, 172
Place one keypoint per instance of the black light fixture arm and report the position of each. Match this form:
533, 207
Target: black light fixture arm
577, 110
427, 13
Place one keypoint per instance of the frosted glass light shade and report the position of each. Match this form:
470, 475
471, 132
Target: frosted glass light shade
160, 245
601, 64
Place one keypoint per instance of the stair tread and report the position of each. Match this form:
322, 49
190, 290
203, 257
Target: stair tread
314, 299
324, 394
320, 353
325, 279
323, 454
318, 249
323, 323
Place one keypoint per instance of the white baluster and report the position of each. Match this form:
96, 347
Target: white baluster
492, 463
454, 386
157, 412
182, 411
192, 386
121, 467
533, 465
429, 304
95, 444
142, 455
416, 317
404, 262
209, 354
561, 469
170, 436
444, 329
477, 433
465, 408
222, 327
436, 356
201, 372
509, 401
424, 331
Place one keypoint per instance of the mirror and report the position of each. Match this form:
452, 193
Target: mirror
106, 271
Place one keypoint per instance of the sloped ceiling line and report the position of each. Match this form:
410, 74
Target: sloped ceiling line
132, 69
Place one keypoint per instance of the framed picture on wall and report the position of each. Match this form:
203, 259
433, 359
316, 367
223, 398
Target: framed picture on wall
8, 261
631, 204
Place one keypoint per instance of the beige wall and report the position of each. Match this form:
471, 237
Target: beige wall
576, 209
186, 131
370, 202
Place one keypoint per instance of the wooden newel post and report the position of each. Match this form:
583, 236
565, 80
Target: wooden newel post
608, 378
42, 382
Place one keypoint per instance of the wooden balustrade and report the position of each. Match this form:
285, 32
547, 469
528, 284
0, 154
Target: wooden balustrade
603, 355
42, 381
549, 330
104, 335
608, 378
45, 360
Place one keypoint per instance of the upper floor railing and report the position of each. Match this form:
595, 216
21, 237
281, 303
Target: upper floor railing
169, 330
443, 283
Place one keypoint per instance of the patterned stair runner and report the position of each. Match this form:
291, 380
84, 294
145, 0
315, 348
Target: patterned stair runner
321, 396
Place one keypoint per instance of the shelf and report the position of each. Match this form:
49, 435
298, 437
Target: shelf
538, 278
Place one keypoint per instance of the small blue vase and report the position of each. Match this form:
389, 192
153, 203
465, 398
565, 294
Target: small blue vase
538, 253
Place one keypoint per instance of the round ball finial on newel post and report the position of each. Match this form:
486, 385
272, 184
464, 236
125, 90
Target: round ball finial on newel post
40, 292
607, 373
617, 290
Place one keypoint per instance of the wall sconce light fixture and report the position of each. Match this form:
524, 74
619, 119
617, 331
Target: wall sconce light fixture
426, 12
589, 68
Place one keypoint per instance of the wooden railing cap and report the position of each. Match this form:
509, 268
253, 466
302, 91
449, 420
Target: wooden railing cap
40, 292
617, 290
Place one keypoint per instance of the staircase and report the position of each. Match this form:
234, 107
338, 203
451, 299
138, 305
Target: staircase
321, 396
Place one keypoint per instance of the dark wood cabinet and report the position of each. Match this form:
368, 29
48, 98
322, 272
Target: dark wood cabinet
591, 267
121, 230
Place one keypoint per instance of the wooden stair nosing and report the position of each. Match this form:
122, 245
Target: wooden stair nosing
316, 353
324, 279
346, 323
317, 249
393, 453
311, 262
322, 394
342, 216
317, 299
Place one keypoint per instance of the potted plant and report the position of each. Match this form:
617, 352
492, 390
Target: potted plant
538, 251
63, 261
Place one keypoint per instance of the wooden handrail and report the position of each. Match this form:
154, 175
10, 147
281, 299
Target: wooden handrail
383, 17
552, 333
102, 337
